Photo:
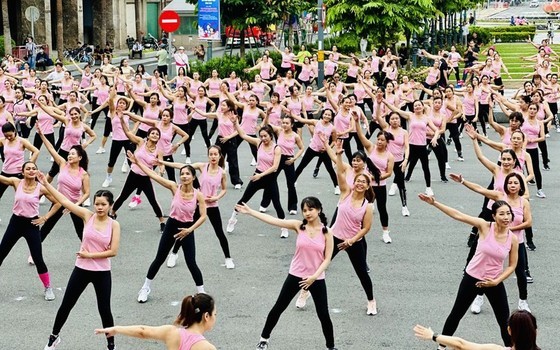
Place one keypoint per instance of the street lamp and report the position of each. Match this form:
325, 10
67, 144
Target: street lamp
320, 53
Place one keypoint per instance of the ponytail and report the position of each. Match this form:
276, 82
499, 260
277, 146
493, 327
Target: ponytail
193, 309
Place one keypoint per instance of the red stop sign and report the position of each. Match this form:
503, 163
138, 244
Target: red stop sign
169, 21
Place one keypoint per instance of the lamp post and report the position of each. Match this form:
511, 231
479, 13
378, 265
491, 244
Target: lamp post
320, 49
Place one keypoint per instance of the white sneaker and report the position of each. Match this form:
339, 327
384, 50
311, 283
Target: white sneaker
237, 187
523, 305
49, 294
229, 263
285, 233
477, 304
429, 191
461, 135
124, 167
30, 260
183, 152
231, 225
558, 129
302, 299
172, 260
460, 159
447, 166
253, 162
405, 211
188, 160
100, 150
42, 200
263, 209
386, 238
371, 308
51, 159
86, 203
393, 189
54, 343
143, 295
487, 126
107, 182
547, 135
337, 190
541, 194
293, 212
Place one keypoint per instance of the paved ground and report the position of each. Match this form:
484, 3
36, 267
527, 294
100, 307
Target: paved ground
415, 278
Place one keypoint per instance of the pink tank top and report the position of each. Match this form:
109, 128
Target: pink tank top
138, 88
258, 89
287, 145
489, 257
95, 241
352, 71
294, 106
165, 145
281, 90
27, 204
531, 131
18, 107
13, 157
201, 104
349, 219
506, 138
73, 135
210, 184
149, 159
214, 86
102, 95
118, 132
417, 131
306, 72
70, 185
330, 67
396, 146
180, 113
309, 255
188, 339
195, 84
265, 70
381, 161
360, 93
151, 114
274, 117
482, 100
518, 217
468, 105
432, 77
308, 102
232, 84
320, 129
249, 122
265, 159
287, 59
183, 209
342, 123
46, 122
86, 80
225, 126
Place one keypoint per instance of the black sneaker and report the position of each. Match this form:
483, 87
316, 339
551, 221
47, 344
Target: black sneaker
315, 172
531, 246
161, 227
528, 276
449, 141
532, 182
262, 345
444, 179
472, 239
546, 167
54, 340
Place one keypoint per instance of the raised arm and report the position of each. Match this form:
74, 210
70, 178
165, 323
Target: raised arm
283, 223
491, 194
57, 158
170, 185
453, 342
455, 214
82, 212
491, 166
133, 138
252, 140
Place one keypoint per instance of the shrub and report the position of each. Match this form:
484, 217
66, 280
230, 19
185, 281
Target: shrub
512, 37
2, 50
482, 32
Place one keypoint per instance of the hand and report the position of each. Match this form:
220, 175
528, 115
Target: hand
39, 221
174, 148
109, 332
456, 177
224, 139
425, 198
486, 283
403, 165
183, 233
83, 254
256, 177
242, 208
290, 161
346, 244
339, 146
434, 142
41, 178
211, 199
65, 211
307, 282
355, 115
131, 157
469, 129
423, 332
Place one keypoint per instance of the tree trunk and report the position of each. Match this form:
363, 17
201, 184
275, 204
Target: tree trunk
59, 30
6, 25
103, 27
242, 43
137, 12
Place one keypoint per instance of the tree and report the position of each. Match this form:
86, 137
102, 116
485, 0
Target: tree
59, 30
103, 29
137, 12
378, 19
6, 25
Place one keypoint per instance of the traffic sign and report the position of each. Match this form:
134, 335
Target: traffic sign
169, 21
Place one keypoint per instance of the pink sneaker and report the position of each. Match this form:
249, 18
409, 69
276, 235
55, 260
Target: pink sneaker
134, 202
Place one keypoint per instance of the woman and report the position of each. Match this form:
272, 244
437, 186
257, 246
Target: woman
5, 117
274, 109
151, 111
212, 180
439, 118
101, 94
453, 110
287, 60
266, 68
20, 105
295, 105
522, 327
197, 316
100, 243
180, 113
259, 88
188, 212
139, 88
25, 220
534, 132
343, 122
266, 172
13, 149
201, 101
314, 247
496, 244
44, 120
249, 121
432, 78
148, 154
305, 74
470, 110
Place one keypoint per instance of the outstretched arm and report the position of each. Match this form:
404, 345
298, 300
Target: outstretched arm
289, 224
454, 213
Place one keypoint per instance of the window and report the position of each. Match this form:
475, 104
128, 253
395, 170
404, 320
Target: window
188, 25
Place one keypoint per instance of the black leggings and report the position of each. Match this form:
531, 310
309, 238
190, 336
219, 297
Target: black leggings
4, 187
38, 142
427, 86
289, 171
454, 135
544, 151
60, 137
79, 280
466, 294
143, 182
323, 157
534, 153
55, 168
419, 152
483, 111
469, 120
289, 290
268, 183
381, 200
441, 154
216, 220
399, 180
96, 115
187, 145
172, 227
116, 148
49, 224
229, 151
193, 124
240, 140
357, 255
21, 227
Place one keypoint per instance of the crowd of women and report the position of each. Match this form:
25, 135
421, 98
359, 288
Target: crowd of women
149, 117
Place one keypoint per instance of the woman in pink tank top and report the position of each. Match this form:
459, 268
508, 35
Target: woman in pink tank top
100, 243
150, 111
196, 317
522, 328
452, 108
5, 116
314, 247
14, 148
259, 88
20, 104
273, 109
202, 102
25, 220
101, 93
439, 118
266, 68
470, 109
139, 88
265, 176
496, 245
181, 116
188, 212
249, 121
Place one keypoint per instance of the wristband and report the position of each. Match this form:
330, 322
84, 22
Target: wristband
462, 180
434, 337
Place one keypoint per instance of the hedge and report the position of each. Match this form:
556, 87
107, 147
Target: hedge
512, 37
504, 33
